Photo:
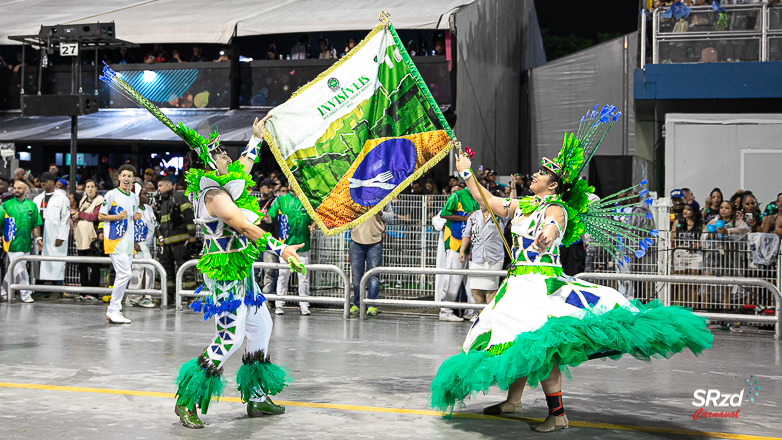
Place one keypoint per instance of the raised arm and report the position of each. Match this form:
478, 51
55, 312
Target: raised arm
496, 204
253, 150
220, 204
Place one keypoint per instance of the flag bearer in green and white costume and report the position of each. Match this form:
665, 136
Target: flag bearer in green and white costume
541, 321
228, 216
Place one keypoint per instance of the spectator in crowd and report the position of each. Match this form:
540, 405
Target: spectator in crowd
176, 230
773, 207
721, 253
23, 175
150, 176
5, 191
176, 56
87, 236
17, 67
80, 188
482, 245
125, 57
452, 181
430, 186
417, 188
326, 51
119, 213
269, 276
750, 213
54, 208
412, 48
455, 212
491, 182
687, 258
271, 52
366, 251
293, 227
224, 56
158, 55
677, 199
439, 47
772, 223
736, 197
688, 196
145, 230
54, 170
23, 221
61, 184
283, 190
712, 207
301, 50
198, 55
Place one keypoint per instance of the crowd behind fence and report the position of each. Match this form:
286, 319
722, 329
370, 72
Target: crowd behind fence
411, 241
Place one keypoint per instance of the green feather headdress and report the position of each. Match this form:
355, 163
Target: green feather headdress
204, 147
578, 148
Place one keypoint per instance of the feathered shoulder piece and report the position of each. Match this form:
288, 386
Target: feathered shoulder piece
194, 140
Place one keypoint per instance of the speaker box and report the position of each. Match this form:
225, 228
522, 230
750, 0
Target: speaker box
610, 174
78, 30
58, 105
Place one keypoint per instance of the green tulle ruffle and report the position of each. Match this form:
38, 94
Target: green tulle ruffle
265, 376
197, 387
228, 266
653, 331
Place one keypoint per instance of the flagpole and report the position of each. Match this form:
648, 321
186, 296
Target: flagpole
458, 146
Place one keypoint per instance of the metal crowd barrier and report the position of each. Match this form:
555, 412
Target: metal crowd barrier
162, 293
698, 279
364, 301
180, 293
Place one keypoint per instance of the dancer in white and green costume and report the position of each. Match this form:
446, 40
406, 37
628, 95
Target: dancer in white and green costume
540, 321
228, 216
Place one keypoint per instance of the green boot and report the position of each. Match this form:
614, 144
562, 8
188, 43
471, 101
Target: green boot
189, 419
257, 409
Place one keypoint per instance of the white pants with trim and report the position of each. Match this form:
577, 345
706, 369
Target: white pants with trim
20, 275
454, 282
304, 281
122, 264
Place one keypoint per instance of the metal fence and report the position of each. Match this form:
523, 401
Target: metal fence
411, 242
751, 32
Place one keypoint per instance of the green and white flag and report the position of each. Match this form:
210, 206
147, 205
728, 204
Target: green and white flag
360, 133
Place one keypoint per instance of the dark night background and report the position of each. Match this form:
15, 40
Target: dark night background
572, 25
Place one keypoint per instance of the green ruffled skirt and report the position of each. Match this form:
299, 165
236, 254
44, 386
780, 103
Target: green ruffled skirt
642, 331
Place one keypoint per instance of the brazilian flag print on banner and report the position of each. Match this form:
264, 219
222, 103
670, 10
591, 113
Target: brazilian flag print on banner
359, 134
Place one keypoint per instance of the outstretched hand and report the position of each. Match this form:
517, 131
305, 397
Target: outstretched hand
289, 255
259, 127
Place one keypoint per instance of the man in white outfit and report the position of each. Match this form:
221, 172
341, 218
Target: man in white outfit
118, 214
55, 210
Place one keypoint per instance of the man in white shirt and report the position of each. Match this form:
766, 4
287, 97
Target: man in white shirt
118, 214
55, 209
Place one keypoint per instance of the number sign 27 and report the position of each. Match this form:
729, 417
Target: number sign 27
69, 49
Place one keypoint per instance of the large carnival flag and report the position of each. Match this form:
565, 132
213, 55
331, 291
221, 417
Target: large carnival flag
361, 132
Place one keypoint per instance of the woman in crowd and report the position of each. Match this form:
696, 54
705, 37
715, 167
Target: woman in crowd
326, 51
431, 186
85, 232
712, 207
750, 213
721, 245
687, 258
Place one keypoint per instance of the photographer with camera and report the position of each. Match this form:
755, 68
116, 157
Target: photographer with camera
177, 232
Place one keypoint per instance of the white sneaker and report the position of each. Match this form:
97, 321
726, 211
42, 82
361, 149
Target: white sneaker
450, 317
305, 310
115, 317
473, 318
279, 311
29, 299
146, 302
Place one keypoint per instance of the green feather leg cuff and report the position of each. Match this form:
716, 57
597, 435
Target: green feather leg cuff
197, 386
258, 373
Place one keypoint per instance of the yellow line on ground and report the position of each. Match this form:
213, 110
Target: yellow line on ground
378, 409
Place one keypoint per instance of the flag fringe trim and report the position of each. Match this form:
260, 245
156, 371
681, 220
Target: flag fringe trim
410, 179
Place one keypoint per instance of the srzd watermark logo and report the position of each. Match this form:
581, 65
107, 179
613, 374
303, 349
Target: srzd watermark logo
725, 405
